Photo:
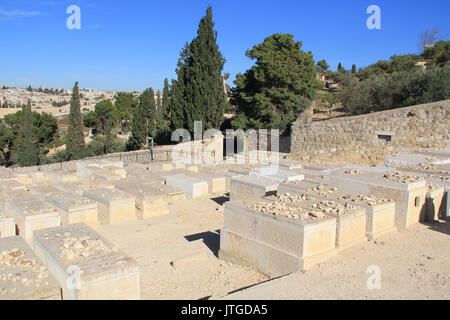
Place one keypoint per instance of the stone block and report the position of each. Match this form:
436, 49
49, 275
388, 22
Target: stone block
275, 245
74, 208
114, 207
59, 177
409, 197
277, 174
192, 187
150, 202
12, 185
217, 183
86, 265
22, 274
7, 224
31, 215
249, 188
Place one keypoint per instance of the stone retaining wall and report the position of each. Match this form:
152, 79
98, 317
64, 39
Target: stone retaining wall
368, 138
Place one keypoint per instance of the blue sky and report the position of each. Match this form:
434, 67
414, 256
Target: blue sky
135, 44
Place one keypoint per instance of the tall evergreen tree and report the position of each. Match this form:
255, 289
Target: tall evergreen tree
75, 137
138, 128
205, 95
147, 100
354, 69
165, 99
178, 99
28, 150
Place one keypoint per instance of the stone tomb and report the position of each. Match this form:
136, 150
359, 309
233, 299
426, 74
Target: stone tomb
85, 185
58, 177
87, 266
22, 275
350, 219
192, 187
7, 224
114, 207
380, 213
11, 185
250, 188
31, 215
296, 187
74, 208
217, 182
277, 174
150, 202
275, 244
409, 197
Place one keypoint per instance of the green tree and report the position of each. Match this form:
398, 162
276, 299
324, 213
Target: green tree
178, 98
138, 129
354, 70
323, 65
205, 96
147, 101
75, 137
125, 104
278, 87
340, 68
28, 152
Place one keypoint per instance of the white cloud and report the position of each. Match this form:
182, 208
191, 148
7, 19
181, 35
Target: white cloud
18, 13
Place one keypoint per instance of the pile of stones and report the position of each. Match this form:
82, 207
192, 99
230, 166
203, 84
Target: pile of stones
75, 248
355, 172
18, 269
398, 177
370, 201
285, 206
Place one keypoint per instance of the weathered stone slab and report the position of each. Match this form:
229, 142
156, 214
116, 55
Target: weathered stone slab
86, 265
248, 188
74, 208
275, 245
114, 207
59, 177
31, 215
277, 174
409, 197
44, 190
7, 224
217, 183
87, 185
150, 202
22, 274
350, 219
296, 187
192, 187
11, 185
380, 213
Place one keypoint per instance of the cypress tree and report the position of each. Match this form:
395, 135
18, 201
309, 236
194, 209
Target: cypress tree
147, 100
178, 99
165, 100
28, 151
205, 95
138, 128
75, 137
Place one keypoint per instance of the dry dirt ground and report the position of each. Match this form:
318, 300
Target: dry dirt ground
189, 236
413, 264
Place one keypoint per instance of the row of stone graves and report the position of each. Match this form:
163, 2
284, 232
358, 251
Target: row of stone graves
283, 216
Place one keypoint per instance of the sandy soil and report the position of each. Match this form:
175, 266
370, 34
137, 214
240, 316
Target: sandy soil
189, 236
413, 264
